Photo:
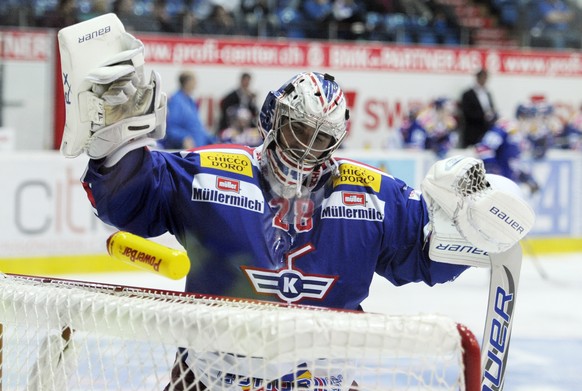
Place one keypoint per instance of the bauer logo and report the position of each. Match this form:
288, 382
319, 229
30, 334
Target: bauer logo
226, 184
507, 219
232, 162
289, 284
97, 33
496, 358
351, 174
450, 163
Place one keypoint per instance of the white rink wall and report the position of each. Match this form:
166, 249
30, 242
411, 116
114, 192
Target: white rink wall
44, 211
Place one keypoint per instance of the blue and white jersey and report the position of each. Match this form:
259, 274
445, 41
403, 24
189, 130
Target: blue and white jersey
501, 148
242, 241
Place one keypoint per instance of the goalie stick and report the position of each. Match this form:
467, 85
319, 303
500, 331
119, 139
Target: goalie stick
505, 270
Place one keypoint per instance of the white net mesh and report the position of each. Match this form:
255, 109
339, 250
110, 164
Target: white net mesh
63, 335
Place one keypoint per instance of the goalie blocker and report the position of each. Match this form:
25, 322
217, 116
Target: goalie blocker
109, 101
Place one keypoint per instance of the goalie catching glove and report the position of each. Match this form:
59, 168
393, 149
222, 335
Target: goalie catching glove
471, 213
111, 106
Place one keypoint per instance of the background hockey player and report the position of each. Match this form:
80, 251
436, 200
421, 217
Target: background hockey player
286, 220
502, 148
431, 127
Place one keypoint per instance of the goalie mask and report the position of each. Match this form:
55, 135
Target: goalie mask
302, 124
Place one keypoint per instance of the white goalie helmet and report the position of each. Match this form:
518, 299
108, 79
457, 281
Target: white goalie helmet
302, 123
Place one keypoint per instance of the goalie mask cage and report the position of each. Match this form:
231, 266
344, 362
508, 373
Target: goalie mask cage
68, 335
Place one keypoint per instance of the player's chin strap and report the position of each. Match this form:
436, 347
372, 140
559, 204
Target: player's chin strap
478, 220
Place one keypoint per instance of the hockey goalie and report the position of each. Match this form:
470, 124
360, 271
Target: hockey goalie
288, 220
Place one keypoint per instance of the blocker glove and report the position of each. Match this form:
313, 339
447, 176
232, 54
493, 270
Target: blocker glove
111, 106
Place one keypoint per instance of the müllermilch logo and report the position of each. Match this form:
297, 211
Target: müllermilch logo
289, 284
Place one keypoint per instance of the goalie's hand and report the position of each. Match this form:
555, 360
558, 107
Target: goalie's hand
123, 111
487, 210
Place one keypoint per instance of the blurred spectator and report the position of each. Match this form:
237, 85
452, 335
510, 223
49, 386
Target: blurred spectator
477, 109
125, 11
541, 134
240, 97
184, 128
417, 9
166, 23
414, 135
190, 17
377, 14
260, 17
242, 129
65, 14
350, 16
187, 22
501, 151
445, 26
290, 19
219, 22
441, 126
570, 136
18, 13
230, 6
318, 16
557, 24
98, 7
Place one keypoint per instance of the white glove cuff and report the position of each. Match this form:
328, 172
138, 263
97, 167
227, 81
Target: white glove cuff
447, 245
114, 158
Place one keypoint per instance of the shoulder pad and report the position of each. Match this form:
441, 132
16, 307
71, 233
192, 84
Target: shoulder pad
358, 174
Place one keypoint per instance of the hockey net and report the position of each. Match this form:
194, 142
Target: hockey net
68, 335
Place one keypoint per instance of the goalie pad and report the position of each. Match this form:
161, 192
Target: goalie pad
488, 212
108, 99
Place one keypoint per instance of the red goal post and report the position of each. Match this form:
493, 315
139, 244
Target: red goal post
61, 334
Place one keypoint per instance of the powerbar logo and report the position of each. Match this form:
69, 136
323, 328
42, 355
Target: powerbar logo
496, 360
139, 256
94, 34
508, 220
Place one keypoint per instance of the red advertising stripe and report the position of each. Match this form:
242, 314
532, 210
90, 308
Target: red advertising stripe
357, 57
25, 46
